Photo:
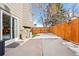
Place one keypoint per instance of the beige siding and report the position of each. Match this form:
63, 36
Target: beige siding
27, 15
20, 10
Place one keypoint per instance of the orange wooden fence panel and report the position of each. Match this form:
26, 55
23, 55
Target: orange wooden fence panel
39, 30
75, 30
68, 31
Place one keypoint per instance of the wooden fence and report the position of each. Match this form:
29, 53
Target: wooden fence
68, 30
39, 30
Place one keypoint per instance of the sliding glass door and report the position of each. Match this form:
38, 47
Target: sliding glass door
6, 26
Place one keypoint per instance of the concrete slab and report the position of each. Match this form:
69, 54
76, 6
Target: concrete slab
55, 48
31, 48
46, 44
41, 47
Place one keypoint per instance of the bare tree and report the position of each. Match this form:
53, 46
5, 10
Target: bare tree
72, 11
55, 13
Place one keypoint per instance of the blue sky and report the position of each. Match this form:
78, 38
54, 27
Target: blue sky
67, 5
37, 17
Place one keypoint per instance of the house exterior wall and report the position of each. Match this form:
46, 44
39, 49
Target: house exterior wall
20, 10
28, 15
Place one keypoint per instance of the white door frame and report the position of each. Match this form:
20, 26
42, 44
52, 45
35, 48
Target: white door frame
16, 21
1, 24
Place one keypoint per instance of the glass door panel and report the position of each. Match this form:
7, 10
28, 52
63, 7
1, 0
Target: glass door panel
0, 27
13, 31
6, 27
14, 27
